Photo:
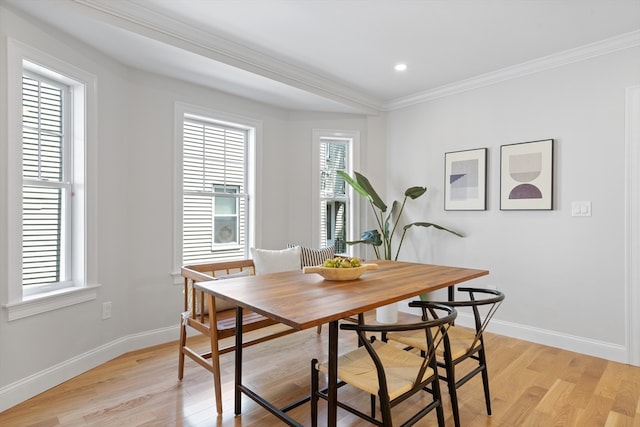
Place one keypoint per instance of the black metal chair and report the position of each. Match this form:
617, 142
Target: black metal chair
387, 371
460, 343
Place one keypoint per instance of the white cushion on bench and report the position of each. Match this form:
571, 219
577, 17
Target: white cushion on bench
273, 261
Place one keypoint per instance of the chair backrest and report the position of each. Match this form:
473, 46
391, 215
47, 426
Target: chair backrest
483, 302
194, 302
439, 318
203, 272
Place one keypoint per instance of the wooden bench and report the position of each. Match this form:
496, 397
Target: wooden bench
203, 310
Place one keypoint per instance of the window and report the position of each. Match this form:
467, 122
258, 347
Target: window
50, 128
46, 190
215, 190
334, 208
226, 220
333, 195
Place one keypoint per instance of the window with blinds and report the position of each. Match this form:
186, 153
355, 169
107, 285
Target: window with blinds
333, 194
215, 199
46, 187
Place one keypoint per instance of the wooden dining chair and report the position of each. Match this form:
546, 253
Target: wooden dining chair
216, 319
460, 343
387, 371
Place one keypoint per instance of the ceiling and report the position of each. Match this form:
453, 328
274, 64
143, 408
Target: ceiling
336, 55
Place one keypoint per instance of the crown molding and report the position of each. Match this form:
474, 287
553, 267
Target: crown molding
603, 47
136, 18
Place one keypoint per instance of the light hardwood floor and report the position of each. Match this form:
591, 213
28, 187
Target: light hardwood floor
531, 385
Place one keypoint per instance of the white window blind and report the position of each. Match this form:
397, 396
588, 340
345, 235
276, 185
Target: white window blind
46, 187
214, 191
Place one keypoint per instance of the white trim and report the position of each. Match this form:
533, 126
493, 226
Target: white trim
19, 391
14, 175
150, 23
17, 52
602, 349
353, 159
254, 151
51, 301
603, 47
632, 224
167, 29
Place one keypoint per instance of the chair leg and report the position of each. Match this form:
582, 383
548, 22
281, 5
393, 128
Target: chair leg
183, 342
314, 393
453, 393
217, 383
437, 395
373, 406
385, 411
485, 381
215, 355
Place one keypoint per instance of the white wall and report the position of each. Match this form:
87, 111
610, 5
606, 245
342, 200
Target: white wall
43, 344
135, 212
564, 276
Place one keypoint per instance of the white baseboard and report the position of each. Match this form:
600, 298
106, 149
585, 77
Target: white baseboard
32, 385
604, 350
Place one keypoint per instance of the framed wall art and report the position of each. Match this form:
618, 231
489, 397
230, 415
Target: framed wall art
465, 180
526, 176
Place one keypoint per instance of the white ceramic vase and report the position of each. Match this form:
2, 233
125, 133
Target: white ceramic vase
387, 313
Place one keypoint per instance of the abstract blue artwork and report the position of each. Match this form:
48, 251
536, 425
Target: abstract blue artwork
465, 183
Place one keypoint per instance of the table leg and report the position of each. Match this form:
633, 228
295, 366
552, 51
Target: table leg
451, 295
238, 359
360, 322
332, 391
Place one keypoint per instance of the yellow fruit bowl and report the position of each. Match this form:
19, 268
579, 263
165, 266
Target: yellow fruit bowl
331, 273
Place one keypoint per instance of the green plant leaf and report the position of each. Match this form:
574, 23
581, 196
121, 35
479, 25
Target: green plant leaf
394, 209
415, 192
369, 237
373, 196
353, 183
392, 214
430, 224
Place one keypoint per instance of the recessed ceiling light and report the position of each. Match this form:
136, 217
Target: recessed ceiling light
400, 67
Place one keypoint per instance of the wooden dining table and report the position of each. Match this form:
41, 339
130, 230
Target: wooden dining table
304, 301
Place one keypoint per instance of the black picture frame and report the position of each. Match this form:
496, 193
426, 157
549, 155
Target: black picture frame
465, 186
526, 175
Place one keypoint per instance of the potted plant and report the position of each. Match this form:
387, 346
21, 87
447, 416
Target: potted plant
387, 222
382, 238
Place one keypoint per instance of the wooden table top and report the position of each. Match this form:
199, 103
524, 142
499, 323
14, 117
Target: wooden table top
306, 300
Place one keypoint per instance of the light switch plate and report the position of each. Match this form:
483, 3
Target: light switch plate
581, 208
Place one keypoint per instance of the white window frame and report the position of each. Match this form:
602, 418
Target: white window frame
65, 184
353, 223
83, 278
254, 129
235, 195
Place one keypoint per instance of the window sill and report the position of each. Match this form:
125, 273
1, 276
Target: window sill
177, 278
49, 301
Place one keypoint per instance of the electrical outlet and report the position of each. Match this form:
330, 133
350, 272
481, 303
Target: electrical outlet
106, 310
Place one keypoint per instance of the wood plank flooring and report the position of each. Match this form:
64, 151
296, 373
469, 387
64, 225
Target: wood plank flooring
531, 385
